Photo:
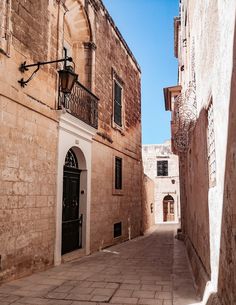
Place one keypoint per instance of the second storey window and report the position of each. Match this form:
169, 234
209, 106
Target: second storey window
117, 103
162, 168
118, 173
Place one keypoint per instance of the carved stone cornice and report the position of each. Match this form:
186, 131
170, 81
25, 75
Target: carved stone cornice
90, 45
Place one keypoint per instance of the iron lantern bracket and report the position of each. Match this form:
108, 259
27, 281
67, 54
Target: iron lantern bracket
23, 67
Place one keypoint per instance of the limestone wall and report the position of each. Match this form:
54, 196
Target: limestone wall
28, 137
30, 210
148, 204
109, 206
114, 60
206, 45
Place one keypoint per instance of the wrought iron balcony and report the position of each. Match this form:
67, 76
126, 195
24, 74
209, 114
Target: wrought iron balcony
80, 103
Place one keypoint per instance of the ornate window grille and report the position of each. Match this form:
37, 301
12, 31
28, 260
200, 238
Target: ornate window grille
71, 160
211, 146
185, 115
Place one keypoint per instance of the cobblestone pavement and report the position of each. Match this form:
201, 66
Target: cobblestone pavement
151, 270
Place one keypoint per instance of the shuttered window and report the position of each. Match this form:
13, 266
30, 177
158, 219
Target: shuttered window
118, 173
162, 168
117, 104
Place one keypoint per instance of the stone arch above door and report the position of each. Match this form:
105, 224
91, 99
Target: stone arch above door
80, 158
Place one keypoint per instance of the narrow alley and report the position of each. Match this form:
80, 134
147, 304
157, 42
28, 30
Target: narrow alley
151, 270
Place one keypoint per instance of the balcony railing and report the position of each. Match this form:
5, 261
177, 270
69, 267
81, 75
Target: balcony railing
80, 103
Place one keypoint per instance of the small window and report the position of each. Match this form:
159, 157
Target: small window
117, 229
162, 168
117, 104
118, 173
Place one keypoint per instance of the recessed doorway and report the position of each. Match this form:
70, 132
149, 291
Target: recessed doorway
71, 217
168, 208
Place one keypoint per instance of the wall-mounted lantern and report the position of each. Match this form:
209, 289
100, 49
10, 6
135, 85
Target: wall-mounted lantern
151, 207
67, 77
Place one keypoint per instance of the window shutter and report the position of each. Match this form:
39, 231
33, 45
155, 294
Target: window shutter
117, 104
118, 173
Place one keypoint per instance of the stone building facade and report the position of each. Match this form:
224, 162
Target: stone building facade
70, 165
162, 166
203, 124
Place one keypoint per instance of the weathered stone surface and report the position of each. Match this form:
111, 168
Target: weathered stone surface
205, 45
29, 131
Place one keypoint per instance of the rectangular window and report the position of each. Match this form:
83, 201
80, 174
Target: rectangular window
211, 146
162, 168
118, 173
117, 229
117, 103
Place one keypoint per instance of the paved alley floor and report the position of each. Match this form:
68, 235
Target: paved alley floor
149, 270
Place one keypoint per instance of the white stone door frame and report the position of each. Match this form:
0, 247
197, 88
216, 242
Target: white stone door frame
75, 134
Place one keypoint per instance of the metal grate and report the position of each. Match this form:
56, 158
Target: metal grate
211, 146
81, 103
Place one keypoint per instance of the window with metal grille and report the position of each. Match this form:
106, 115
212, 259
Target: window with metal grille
118, 173
162, 168
117, 103
211, 146
117, 229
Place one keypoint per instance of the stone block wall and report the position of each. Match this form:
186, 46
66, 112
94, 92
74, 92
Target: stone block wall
114, 60
28, 142
29, 130
148, 204
227, 263
27, 192
109, 206
206, 59
196, 209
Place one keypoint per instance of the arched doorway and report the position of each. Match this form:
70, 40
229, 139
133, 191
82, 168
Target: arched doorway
71, 217
168, 208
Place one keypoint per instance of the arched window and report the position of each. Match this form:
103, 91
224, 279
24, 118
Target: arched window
71, 160
168, 198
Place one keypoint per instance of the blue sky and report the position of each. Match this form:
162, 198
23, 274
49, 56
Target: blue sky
147, 27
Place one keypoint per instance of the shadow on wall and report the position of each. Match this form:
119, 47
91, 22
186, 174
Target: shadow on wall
227, 265
196, 210
148, 208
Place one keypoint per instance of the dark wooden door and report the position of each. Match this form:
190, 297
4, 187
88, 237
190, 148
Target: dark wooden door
71, 220
165, 210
